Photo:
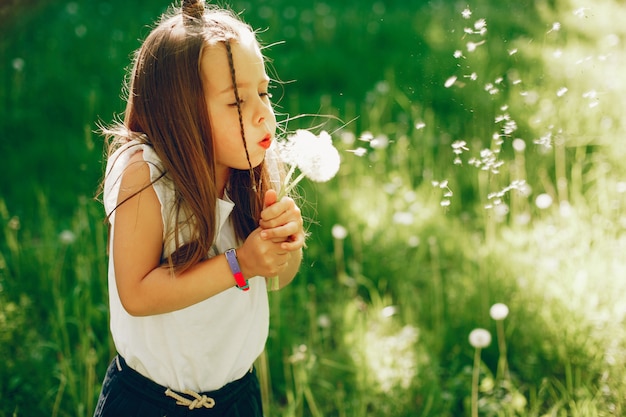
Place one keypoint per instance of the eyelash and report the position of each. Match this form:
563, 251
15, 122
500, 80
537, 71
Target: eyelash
262, 94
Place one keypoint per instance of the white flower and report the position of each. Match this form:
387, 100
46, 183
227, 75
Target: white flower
314, 156
339, 232
499, 311
67, 237
479, 338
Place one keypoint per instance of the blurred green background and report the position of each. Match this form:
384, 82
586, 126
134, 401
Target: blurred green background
482, 146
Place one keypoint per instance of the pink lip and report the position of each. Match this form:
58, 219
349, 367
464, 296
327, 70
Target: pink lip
266, 142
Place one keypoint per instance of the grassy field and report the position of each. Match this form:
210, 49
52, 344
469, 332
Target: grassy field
482, 153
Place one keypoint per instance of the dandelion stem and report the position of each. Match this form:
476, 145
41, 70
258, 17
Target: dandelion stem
475, 374
289, 187
503, 371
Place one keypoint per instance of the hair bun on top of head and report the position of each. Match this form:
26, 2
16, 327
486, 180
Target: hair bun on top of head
193, 10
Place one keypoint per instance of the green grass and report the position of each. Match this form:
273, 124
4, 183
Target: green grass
377, 321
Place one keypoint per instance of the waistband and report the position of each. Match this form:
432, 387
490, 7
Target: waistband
220, 399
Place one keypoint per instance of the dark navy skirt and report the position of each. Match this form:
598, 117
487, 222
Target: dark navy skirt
127, 393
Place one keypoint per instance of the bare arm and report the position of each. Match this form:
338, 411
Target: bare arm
144, 285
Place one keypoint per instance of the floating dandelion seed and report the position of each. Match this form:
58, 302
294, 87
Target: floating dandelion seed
561, 91
580, 12
420, 125
459, 146
556, 26
360, 151
512, 51
366, 136
450, 81
545, 140
480, 26
379, 142
471, 46
458, 54
466, 13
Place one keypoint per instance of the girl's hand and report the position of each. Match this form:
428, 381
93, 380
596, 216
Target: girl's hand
281, 222
262, 257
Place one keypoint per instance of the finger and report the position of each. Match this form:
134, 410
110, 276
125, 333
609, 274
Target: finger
270, 198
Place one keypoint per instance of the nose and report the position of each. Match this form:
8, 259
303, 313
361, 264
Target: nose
263, 112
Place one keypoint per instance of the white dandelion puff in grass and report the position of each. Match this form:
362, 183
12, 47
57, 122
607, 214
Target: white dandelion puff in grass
499, 311
543, 201
480, 338
339, 232
67, 237
466, 13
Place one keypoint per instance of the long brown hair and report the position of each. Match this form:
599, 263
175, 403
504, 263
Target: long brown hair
166, 110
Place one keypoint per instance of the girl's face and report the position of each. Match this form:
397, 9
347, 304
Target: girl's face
259, 121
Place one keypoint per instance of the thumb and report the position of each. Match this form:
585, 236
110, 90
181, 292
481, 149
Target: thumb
270, 198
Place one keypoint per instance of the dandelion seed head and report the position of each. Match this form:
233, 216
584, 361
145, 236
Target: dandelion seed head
14, 223
480, 338
347, 137
466, 13
499, 311
315, 156
324, 321
445, 203
67, 237
543, 201
404, 218
458, 54
561, 92
339, 232
519, 145
413, 241
388, 311
17, 64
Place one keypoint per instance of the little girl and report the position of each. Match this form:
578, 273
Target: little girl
190, 194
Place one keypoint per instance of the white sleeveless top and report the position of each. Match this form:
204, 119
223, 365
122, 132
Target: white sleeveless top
202, 347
